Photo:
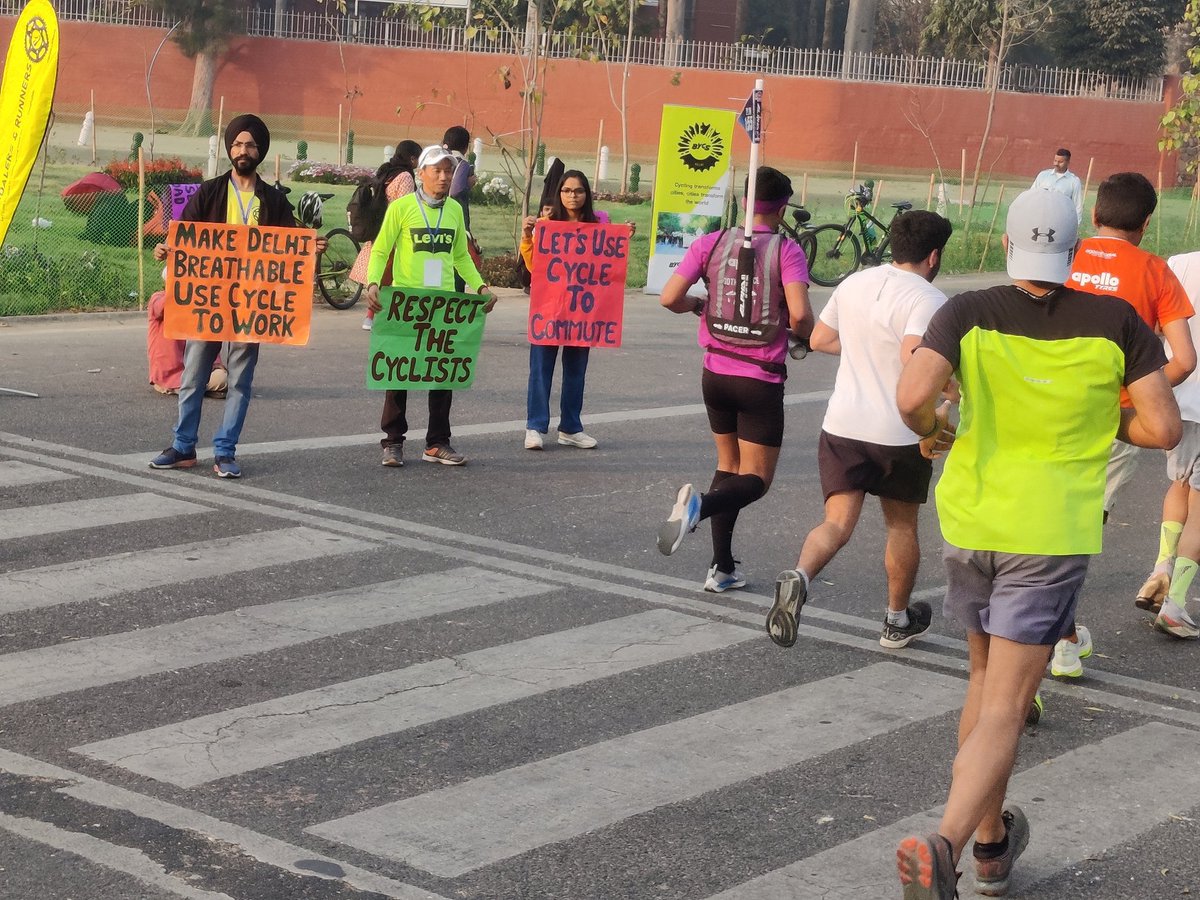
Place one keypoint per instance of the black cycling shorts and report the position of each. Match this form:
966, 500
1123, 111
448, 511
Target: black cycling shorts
750, 408
892, 473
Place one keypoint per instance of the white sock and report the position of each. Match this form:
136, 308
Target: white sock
899, 619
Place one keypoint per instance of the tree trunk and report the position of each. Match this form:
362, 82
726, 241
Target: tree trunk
280, 6
829, 33
625, 101
860, 26
199, 118
741, 15
675, 29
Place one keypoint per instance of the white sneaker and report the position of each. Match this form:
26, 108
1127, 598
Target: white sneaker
1067, 655
533, 439
1174, 620
368, 323
578, 439
684, 517
719, 582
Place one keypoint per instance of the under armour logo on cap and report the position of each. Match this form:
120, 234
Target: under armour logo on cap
1042, 230
1048, 234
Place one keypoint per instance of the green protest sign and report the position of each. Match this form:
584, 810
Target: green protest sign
425, 339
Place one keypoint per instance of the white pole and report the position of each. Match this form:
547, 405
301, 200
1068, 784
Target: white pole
753, 174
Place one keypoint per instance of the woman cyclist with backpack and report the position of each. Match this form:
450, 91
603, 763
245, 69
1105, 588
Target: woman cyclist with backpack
742, 381
397, 176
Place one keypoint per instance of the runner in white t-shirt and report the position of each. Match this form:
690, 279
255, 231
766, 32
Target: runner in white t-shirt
874, 320
1166, 591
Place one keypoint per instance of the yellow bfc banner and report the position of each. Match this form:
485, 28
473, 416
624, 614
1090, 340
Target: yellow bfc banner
25, 97
691, 184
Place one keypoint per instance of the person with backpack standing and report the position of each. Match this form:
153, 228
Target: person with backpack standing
742, 382
393, 180
571, 201
457, 140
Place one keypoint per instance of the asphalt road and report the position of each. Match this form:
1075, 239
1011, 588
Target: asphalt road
332, 679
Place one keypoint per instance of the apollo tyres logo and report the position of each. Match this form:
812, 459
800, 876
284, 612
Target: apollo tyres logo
1100, 281
700, 147
37, 39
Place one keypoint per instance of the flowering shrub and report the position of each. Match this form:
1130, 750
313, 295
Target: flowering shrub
158, 172
497, 192
328, 173
632, 198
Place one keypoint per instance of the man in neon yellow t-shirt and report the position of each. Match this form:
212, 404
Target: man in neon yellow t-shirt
1041, 367
425, 231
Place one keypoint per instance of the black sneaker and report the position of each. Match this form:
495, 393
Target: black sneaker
919, 616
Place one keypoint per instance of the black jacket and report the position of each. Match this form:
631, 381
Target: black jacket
209, 204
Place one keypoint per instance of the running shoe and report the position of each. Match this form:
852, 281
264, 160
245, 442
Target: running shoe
993, 876
920, 615
1150, 596
393, 456
719, 582
533, 439
1174, 620
444, 454
1036, 709
926, 867
174, 459
791, 592
1067, 654
578, 439
684, 517
227, 467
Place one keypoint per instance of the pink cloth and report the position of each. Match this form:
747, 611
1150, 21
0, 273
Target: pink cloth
165, 355
793, 268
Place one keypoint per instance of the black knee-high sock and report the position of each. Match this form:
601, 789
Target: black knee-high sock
721, 504
722, 529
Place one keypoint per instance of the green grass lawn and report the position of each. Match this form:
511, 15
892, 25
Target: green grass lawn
56, 268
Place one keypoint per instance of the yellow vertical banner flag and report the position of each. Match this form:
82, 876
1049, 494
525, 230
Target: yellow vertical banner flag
26, 94
691, 184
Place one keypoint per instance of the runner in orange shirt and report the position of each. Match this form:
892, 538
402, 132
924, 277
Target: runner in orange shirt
1112, 264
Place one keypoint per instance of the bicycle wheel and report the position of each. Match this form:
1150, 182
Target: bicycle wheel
837, 254
801, 236
333, 270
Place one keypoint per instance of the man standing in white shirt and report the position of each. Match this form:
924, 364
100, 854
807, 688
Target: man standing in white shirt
874, 320
1059, 177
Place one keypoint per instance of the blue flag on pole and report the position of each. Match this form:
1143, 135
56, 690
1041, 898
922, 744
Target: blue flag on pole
750, 117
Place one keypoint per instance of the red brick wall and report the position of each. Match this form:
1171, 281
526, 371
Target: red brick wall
810, 122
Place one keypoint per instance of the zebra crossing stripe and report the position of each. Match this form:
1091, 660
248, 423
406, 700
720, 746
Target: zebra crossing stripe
455, 830
204, 749
76, 515
1148, 774
75, 665
124, 573
130, 861
14, 473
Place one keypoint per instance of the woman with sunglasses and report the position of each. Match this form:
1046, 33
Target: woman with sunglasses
572, 202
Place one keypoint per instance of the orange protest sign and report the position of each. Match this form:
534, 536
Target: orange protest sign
246, 283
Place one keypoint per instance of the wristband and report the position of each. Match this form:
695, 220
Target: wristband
933, 430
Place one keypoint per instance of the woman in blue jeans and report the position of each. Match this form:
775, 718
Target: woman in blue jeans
571, 202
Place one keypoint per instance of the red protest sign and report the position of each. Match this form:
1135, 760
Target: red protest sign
247, 283
578, 294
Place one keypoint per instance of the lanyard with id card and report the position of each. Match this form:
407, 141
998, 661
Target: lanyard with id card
433, 267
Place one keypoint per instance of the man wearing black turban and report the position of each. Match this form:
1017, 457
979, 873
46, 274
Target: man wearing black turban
240, 197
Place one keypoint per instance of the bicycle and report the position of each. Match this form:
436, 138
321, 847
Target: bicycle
334, 264
800, 231
838, 252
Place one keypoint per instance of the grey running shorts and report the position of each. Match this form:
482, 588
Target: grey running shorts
1027, 599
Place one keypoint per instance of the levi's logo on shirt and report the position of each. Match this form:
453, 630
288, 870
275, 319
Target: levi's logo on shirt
432, 240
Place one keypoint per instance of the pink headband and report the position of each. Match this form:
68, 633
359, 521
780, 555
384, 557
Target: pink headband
766, 207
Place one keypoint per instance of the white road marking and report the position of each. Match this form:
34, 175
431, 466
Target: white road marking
459, 829
1148, 773
123, 573
14, 473
269, 850
76, 515
109, 856
108, 659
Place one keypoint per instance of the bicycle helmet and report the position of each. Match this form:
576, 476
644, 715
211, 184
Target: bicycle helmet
308, 210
